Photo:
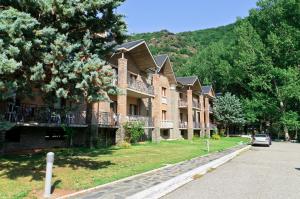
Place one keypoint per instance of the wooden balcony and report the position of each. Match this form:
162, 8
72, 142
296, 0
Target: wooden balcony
137, 88
147, 121
35, 115
166, 124
108, 120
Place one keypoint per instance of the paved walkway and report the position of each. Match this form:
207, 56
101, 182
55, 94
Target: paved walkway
123, 189
260, 173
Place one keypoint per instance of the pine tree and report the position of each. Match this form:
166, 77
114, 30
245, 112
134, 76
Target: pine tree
59, 47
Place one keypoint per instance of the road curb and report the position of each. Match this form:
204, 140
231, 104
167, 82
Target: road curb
166, 187
149, 191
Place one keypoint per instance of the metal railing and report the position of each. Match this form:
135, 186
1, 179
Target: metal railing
182, 103
35, 114
140, 86
108, 119
183, 125
147, 121
196, 104
196, 125
212, 125
166, 124
210, 109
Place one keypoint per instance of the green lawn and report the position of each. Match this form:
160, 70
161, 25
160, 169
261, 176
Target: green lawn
76, 169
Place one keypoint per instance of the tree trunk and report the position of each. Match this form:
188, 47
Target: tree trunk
227, 130
286, 133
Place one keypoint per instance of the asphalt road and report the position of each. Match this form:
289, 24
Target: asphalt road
260, 173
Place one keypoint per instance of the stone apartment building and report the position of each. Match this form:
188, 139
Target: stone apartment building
170, 107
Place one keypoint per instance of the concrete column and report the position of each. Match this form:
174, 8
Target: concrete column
156, 108
174, 111
190, 114
207, 122
202, 119
122, 97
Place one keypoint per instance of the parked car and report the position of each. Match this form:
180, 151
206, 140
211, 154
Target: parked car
261, 139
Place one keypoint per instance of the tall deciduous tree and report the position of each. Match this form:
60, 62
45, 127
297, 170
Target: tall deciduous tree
228, 110
59, 47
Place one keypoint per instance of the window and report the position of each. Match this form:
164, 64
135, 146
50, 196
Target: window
164, 115
163, 91
181, 117
180, 95
133, 109
113, 107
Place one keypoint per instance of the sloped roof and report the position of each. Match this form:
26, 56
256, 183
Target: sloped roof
160, 60
139, 51
129, 45
206, 89
187, 80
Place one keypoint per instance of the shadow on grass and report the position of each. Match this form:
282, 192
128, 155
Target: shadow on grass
33, 166
54, 185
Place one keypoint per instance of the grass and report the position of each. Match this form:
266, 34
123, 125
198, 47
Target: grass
21, 176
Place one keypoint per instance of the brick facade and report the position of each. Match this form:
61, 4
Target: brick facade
149, 92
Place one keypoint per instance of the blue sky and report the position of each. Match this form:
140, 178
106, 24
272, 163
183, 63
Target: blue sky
182, 15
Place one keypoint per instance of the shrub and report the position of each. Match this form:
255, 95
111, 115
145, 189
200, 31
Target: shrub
124, 144
216, 137
134, 131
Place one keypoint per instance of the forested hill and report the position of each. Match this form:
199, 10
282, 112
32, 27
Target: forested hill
184, 47
257, 59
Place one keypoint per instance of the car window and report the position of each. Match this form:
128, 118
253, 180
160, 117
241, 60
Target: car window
260, 135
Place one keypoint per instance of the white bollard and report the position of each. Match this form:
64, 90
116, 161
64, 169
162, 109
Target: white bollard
207, 145
50, 160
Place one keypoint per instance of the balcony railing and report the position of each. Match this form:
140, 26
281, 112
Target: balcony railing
210, 109
196, 104
37, 115
212, 125
107, 119
196, 125
147, 121
183, 125
166, 124
140, 86
182, 103
164, 100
